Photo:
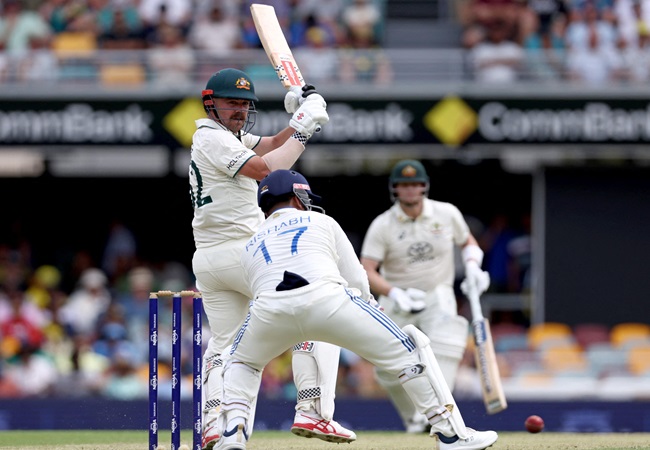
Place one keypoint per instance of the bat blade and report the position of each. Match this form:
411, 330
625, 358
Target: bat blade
486, 363
276, 46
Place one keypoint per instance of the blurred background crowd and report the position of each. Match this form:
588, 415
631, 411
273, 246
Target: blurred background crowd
177, 41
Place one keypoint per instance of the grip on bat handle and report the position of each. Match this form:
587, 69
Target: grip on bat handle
307, 90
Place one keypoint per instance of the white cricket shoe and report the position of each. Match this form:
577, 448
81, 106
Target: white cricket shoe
476, 440
310, 424
233, 439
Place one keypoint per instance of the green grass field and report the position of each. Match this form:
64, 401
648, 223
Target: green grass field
280, 440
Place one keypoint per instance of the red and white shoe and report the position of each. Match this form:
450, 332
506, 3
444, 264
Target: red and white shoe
311, 424
210, 436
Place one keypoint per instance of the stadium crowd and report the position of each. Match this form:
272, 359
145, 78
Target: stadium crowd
588, 41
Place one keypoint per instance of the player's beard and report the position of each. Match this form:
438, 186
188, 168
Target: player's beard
236, 122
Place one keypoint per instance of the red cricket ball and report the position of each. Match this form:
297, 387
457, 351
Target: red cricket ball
534, 424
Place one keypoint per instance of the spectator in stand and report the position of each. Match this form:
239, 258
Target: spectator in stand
249, 35
171, 59
585, 21
545, 48
327, 13
364, 61
121, 28
632, 16
4, 64
596, 64
39, 63
120, 251
22, 340
86, 305
18, 26
362, 18
485, 12
176, 13
216, 22
495, 240
135, 303
639, 59
497, 59
319, 61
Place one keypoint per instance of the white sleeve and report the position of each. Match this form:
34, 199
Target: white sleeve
373, 246
349, 265
459, 226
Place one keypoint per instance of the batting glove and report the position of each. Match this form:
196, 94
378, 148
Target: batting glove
296, 96
309, 118
476, 277
409, 301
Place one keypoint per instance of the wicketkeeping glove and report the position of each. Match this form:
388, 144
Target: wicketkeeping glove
296, 96
309, 118
474, 276
410, 301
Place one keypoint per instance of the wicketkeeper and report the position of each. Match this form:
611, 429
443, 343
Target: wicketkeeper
308, 284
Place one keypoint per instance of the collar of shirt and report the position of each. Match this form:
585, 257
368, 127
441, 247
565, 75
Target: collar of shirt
210, 124
427, 211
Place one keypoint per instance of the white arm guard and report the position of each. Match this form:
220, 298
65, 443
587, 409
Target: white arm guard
309, 118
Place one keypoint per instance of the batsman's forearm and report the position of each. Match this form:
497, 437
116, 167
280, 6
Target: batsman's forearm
284, 156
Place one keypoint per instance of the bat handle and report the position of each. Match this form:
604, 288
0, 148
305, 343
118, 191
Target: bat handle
307, 90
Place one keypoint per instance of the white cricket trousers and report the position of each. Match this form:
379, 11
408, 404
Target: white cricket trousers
322, 311
226, 295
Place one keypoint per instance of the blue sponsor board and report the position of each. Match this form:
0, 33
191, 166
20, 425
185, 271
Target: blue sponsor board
99, 414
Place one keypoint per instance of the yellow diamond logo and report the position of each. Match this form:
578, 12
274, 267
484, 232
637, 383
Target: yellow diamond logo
452, 121
180, 120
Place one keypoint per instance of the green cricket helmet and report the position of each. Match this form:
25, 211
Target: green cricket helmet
232, 84
408, 171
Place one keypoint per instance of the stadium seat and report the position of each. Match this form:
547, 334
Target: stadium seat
510, 342
630, 333
639, 360
588, 334
549, 334
128, 74
74, 44
565, 359
606, 360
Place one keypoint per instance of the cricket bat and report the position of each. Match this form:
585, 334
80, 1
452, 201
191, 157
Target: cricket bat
277, 49
486, 362
276, 46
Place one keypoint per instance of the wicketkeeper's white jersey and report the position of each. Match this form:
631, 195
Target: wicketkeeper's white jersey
225, 206
306, 243
416, 253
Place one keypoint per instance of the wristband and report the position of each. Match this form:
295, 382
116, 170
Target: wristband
300, 137
472, 253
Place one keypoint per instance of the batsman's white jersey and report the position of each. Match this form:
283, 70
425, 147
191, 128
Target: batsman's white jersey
324, 254
417, 253
225, 206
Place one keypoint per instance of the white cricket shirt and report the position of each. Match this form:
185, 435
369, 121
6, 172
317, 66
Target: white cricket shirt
225, 205
306, 243
416, 253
